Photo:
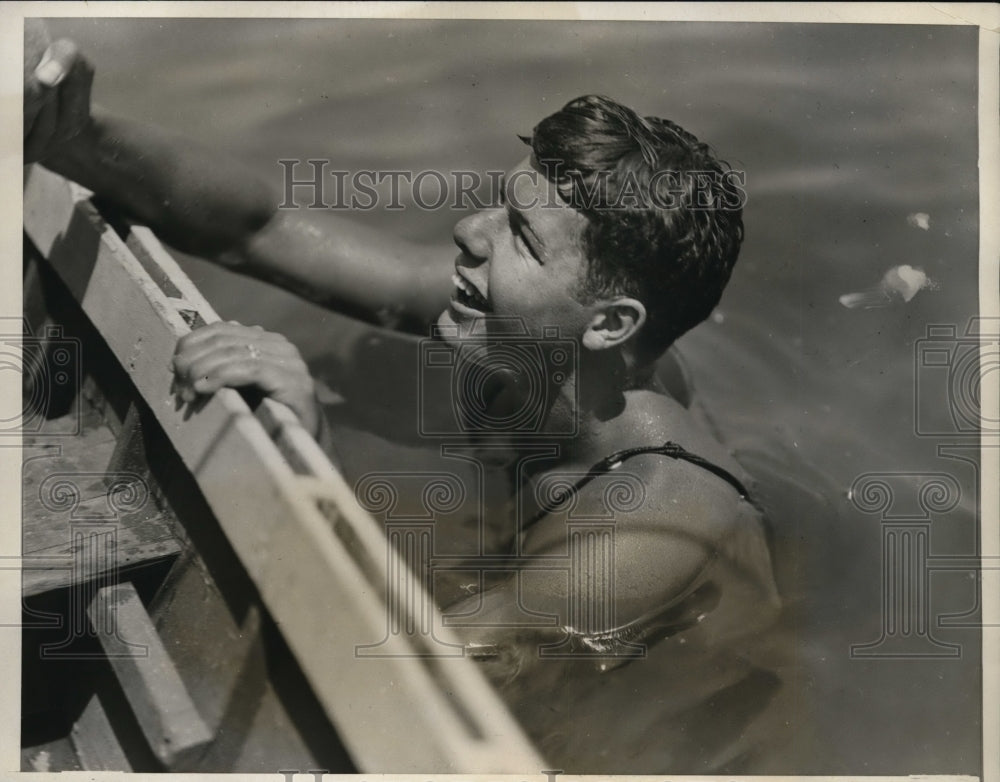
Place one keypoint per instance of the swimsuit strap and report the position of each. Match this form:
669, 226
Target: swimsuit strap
615, 460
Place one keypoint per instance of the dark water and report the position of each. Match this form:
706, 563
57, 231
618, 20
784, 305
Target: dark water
843, 131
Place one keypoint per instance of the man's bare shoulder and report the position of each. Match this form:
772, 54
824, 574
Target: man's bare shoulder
677, 491
664, 510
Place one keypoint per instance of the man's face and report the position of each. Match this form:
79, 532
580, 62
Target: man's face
523, 260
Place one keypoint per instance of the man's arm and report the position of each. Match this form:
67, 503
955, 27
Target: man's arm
658, 553
202, 203
652, 564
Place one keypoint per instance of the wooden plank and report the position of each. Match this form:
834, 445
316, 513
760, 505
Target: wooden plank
94, 740
45, 575
68, 564
130, 450
89, 420
80, 460
162, 706
57, 549
98, 401
404, 711
89, 449
65, 492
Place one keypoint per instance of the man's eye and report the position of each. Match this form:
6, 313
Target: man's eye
522, 243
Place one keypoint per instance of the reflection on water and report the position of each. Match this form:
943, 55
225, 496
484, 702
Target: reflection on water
845, 132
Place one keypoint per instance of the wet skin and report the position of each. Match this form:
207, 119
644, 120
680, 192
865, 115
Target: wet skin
524, 258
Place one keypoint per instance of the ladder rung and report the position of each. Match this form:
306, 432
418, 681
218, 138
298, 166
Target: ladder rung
162, 706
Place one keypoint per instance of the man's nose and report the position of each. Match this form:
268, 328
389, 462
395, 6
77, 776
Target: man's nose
474, 236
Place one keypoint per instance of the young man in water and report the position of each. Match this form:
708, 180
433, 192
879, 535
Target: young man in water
604, 235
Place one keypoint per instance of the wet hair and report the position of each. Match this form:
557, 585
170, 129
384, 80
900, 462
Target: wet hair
665, 218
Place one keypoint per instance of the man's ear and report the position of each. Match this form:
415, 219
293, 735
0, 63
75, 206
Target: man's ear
614, 322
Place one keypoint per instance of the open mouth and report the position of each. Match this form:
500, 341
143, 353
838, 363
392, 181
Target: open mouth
468, 295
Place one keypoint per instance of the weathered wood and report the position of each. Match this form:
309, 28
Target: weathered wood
66, 492
321, 564
40, 575
94, 740
56, 481
130, 451
90, 420
162, 706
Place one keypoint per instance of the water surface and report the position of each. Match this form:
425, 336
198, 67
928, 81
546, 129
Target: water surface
843, 131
